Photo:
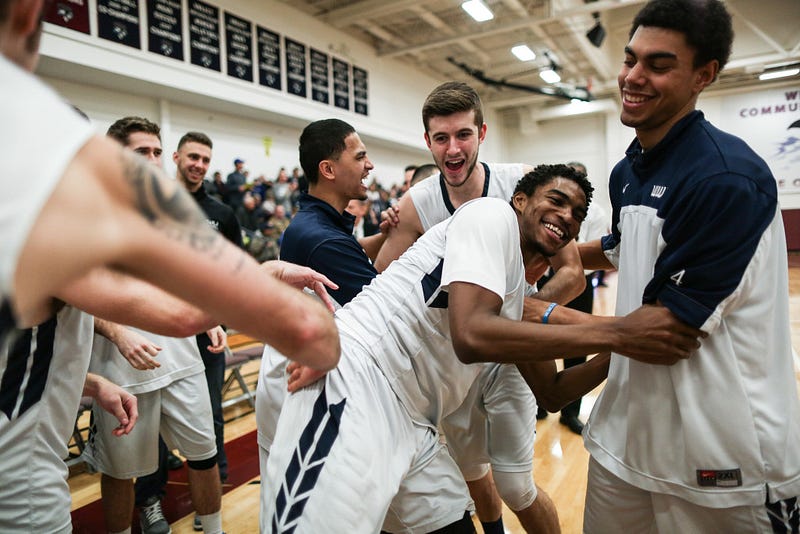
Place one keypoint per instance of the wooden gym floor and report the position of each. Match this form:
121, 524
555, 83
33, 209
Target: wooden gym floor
560, 461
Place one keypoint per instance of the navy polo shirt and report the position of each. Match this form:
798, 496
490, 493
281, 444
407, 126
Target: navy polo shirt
322, 238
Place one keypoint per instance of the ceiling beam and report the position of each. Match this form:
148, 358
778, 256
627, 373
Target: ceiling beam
494, 29
344, 16
758, 31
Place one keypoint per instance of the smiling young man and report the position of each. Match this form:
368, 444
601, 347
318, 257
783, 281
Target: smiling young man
320, 235
713, 443
171, 399
454, 130
346, 444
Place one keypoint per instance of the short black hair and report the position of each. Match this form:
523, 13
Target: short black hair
195, 137
423, 171
706, 25
124, 127
543, 174
321, 140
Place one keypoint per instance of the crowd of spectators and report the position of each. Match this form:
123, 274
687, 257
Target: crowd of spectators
265, 207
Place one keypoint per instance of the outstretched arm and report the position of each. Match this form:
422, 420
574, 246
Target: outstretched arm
372, 244
593, 257
651, 333
568, 281
127, 300
113, 208
554, 390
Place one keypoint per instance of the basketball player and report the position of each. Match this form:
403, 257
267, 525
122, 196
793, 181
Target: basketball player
497, 424
696, 230
344, 445
90, 204
174, 401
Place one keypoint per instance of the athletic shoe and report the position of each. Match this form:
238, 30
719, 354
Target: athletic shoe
197, 525
151, 517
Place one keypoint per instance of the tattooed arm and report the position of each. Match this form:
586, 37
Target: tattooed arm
113, 209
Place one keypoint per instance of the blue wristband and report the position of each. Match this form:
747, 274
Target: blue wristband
547, 312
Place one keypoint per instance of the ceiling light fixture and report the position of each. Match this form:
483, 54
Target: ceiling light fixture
477, 10
597, 34
550, 76
774, 74
523, 53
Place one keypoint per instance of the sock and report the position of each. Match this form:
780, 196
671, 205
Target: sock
493, 527
126, 531
212, 523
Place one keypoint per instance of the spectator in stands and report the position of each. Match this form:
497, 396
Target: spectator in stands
422, 172
260, 186
301, 185
236, 184
283, 190
251, 215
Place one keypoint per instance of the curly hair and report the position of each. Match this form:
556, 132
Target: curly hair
706, 25
543, 174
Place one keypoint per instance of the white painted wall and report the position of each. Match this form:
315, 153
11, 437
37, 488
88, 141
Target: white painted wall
109, 81
599, 140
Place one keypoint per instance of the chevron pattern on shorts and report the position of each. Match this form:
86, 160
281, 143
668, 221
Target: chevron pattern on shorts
306, 464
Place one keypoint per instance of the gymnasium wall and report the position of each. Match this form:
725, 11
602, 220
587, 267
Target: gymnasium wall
261, 125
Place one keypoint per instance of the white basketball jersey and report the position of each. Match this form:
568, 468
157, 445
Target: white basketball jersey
433, 203
43, 372
401, 318
179, 358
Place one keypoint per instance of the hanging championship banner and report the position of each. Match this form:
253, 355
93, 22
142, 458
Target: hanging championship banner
118, 21
360, 91
239, 41
269, 58
341, 84
164, 28
295, 68
320, 78
204, 35
72, 14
